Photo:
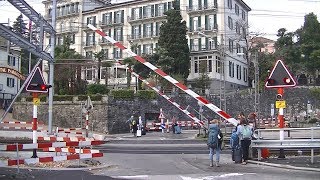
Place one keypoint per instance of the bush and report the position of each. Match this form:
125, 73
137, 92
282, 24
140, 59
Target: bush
122, 94
313, 120
315, 92
63, 98
146, 94
97, 89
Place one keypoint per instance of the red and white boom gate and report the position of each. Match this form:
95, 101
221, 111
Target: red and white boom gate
181, 86
170, 100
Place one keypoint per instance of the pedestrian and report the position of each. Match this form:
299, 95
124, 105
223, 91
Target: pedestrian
134, 128
234, 142
245, 132
213, 142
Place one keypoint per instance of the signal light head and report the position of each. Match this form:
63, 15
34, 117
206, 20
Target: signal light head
271, 81
287, 80
279, 97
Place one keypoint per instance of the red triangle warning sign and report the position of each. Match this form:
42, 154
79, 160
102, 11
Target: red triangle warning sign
37, 82
280, 77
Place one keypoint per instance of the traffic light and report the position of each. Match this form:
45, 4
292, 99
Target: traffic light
279, 97
39, 87
280, 77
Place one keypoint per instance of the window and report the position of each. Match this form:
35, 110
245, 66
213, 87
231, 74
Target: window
211, 22
91, 20
230, 45
106, 18
148, 48
243, 15
210, 66
245, 74
89, 75
231, 69
237, 28
230, 4
238, 72
118, 17
195, 46
147, 30
219, 66
106, 53
118, 34
11, 60
10, 82
117, 53
147, 11
136, 13
160, 9
90, 39
136, 32
244, 32
238, 48
195, 23
236, 9
230, 23
89, 54
196, 70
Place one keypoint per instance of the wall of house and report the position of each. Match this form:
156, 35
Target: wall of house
110, 115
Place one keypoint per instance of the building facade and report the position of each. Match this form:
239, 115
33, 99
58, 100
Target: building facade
10, 64
216, 33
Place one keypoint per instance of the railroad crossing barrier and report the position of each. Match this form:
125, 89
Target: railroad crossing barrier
68, 147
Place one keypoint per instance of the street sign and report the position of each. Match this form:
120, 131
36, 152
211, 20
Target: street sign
280, 77
36, 101
280, 104
37, 82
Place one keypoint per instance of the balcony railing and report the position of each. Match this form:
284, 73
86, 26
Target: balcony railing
105, 23
145, 17
196, 48
88, 44
147, 35
196, 8
69, 30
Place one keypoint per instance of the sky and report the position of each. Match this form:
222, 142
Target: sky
266, 17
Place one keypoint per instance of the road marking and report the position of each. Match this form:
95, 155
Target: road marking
162, 139
133, 177
214, 177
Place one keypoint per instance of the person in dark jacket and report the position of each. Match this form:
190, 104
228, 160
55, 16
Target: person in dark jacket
134, 128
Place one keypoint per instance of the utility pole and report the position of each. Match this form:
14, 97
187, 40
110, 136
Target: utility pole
256, 87
51, 67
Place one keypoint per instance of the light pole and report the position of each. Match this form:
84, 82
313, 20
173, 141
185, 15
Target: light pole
256, 87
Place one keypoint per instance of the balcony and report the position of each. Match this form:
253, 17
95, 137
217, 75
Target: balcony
88, 44
86, 28
194, 49
146, 36
133, 19
104, 42
64, 15
203, 8
72, 29
103, 24
207, 30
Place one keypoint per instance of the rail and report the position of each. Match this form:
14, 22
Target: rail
298, 138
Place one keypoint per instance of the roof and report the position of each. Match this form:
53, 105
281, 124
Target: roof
261, 40
244, 5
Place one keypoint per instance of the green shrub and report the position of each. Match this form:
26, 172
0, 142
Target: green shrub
122, 94
63, 98
146, 94
313, 120
315, 92
97, 89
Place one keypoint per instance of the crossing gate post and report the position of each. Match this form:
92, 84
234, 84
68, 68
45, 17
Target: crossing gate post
34, 122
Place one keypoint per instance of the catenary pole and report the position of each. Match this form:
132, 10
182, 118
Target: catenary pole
51, 67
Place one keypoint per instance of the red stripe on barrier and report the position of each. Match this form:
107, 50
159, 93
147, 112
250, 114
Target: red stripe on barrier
45, 159
101, 33
181, 86
160, 72
223, 114
44, 145
203, 100
119, 45
72, 143
97, 142
140, 59
73, 156
97, 155
13, 147
15, 162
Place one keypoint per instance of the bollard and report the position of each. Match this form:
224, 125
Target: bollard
18, 168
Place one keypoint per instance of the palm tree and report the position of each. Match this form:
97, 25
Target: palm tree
99, 56
129, 62
106, 64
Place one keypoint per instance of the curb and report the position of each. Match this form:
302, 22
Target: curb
59, 169
284, 166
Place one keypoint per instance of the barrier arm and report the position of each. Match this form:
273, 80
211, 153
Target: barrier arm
192, 116
181, 86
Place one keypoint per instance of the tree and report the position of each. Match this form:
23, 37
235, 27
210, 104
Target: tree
99, 56
68, 70
174, 49
129, 62
19, 26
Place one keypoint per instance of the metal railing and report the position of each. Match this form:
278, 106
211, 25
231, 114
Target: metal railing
298, 138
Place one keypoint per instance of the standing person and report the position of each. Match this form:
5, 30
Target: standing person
234, 142
213, 142
134, 128
244, 131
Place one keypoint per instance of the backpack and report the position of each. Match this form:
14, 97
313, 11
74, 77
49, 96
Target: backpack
234, 140
213, 138
246, 132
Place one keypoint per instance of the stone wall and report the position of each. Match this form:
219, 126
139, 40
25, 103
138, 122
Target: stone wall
111, 115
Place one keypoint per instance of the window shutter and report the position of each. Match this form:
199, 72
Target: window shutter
157, 28
199, 4
206, 18
156, 10
199, 22
152, 10
110, 20
120, 53
103, 18
144, 30
121, 34
114, 53
207, 43
115, 35
144, 49
122, 16
115, 17
132, 32
190, 4
139, 30
140, 13
205, 3
132, 14
200, 48
191, 44
94, 20
144, 11
152, 29
165, 7
191, 24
